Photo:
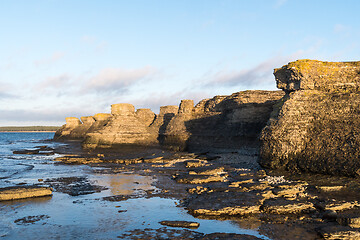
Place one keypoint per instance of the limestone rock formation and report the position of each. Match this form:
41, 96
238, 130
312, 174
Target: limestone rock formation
161, 121
222, 121
65, 131
145, 115
124, 127
316, 126
74, 129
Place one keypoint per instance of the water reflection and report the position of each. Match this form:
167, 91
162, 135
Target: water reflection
124, 184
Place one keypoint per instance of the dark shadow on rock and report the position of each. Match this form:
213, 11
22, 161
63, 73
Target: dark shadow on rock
236, 126
166, 120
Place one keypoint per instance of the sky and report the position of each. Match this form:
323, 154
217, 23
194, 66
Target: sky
61, 58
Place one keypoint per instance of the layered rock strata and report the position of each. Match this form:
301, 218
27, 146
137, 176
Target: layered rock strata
316, 126
223, 121
124, 127
76, 129
65, 131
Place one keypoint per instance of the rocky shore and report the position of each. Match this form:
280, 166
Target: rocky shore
233, 186
253, 155
310, 126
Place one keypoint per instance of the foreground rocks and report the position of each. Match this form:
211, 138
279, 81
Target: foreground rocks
232, 186
179, 234
13, 193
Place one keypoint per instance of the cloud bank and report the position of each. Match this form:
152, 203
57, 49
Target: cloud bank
117, 80
256, 76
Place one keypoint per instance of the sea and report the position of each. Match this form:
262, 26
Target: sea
64, 216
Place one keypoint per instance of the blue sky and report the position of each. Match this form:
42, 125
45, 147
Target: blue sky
62, 58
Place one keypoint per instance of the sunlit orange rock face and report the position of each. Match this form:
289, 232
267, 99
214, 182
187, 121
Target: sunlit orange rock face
220, 122
316, 126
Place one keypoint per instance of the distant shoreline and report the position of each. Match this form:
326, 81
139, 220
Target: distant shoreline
29, 128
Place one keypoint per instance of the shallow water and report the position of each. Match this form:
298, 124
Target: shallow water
85, 216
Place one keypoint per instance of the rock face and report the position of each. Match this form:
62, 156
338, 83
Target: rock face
65, 131
222, 121
124, 127
74, 129
316, 126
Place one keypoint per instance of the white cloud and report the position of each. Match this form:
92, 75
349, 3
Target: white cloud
255, 77
55, 82
5, 90
118, 80
50, 60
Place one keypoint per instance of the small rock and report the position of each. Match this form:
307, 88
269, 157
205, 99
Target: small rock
330, 214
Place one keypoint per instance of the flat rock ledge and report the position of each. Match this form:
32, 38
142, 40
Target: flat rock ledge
184, 224
339, 232
13, 193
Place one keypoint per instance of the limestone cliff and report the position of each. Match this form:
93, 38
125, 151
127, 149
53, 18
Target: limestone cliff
65, 131
222, 121
124, 127
316, 126
77, 130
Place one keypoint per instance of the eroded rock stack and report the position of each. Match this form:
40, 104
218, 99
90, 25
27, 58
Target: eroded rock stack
316, 127
65, 131
76, 129
124, 127
223, 121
